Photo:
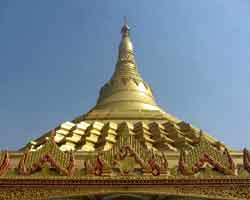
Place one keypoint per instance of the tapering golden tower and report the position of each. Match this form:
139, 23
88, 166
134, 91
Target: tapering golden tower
125, 147
126, 95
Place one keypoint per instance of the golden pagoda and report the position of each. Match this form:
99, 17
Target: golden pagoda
125, 147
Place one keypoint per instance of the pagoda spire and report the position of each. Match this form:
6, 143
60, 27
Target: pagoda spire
126, 92
126, 65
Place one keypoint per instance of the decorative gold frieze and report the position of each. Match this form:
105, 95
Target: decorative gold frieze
217, 189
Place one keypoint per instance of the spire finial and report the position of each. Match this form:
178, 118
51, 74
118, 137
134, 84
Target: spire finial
125, 20
125, 29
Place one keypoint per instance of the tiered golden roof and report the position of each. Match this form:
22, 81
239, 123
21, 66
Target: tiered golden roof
101, 136
126, 99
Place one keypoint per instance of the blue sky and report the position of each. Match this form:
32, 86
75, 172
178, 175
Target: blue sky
55, 56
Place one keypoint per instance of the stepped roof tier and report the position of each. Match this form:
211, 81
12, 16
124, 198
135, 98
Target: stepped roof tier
125, 147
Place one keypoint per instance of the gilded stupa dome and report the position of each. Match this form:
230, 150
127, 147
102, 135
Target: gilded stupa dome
126, 103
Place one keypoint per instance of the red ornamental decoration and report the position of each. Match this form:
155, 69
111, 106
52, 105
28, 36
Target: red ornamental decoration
206, 158
125, 153
46, 158
5, 165
39, 165
246, 159
98, 170
155, 169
